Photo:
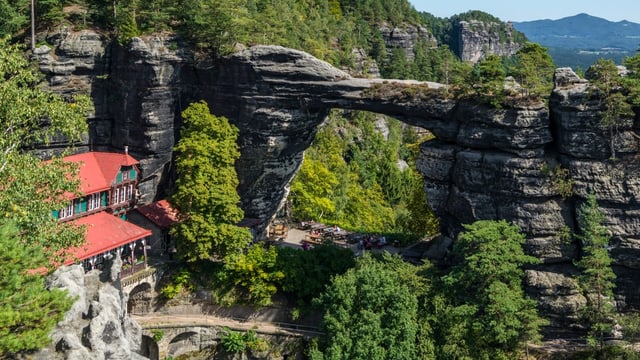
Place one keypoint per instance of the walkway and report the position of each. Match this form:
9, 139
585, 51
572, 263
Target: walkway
158, 320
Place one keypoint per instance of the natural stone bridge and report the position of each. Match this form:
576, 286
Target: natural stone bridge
485, 164
178, 334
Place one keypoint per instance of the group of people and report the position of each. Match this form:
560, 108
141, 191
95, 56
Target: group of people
368, 242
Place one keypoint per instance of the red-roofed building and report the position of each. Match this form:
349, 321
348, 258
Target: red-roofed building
108, 234
108, 183
159, 217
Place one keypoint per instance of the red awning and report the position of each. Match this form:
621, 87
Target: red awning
105, 232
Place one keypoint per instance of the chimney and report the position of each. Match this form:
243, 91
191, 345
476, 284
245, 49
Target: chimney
126, 150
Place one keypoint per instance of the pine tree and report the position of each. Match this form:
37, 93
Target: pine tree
28, 312
534, 70
597, 278
488, 313
488, 80
205, 195
614, 108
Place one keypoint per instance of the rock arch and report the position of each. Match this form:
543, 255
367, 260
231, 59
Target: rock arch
487, 163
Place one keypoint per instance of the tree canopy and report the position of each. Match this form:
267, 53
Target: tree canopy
370, 313
28, 311
483, 312
205, 193
609, 90
31, 238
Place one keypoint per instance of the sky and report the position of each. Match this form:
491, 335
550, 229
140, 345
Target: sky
525, 10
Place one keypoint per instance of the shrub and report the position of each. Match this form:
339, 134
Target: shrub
180, 281
157, 334
232, 341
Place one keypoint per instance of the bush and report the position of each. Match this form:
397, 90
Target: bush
157, 335
232, 341
180, 281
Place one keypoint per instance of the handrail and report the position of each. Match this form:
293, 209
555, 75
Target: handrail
127, 280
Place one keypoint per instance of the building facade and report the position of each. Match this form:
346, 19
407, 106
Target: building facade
108, 183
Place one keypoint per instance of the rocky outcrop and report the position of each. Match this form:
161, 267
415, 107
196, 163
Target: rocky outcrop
97, 326
477, 39
405, 37
486, 163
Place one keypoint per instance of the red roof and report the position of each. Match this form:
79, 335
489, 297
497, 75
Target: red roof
99, 169
105, 232
160, 213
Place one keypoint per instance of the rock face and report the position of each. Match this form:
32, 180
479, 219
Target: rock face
485, 164
405, 37
96, 327
477, 39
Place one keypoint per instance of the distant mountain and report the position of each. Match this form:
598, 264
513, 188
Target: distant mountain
582, 39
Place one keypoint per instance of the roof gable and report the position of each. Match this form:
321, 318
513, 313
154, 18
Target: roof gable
98, 170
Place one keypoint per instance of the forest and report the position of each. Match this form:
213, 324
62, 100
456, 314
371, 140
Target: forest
359, 174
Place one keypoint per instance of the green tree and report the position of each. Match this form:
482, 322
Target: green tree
31, 190
597, 278
534, 70
205, 194
486, 312
15, 16
488, 80
307, 273
614, 108
420, 219
312, 190
212, 25
29, 117
632, 80
370, 314
28, 312
254, 270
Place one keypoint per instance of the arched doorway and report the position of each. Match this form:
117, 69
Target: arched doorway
140, 299
149, 348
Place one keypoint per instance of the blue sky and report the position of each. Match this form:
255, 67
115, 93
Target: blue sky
524, 10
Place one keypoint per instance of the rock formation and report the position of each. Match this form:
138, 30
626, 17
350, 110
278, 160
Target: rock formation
405, 37
96, 327
486, 163
477, 39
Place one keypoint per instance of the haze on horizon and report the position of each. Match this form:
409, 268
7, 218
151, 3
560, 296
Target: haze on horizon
509, 10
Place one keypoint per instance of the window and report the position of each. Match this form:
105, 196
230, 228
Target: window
122, 195
125, 175
67, 211
116, 193
94, 201
129, 190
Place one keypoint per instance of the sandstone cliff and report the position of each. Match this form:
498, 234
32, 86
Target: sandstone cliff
477, 39
485, 164
405, 37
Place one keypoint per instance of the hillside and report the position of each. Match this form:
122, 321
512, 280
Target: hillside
581, 39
